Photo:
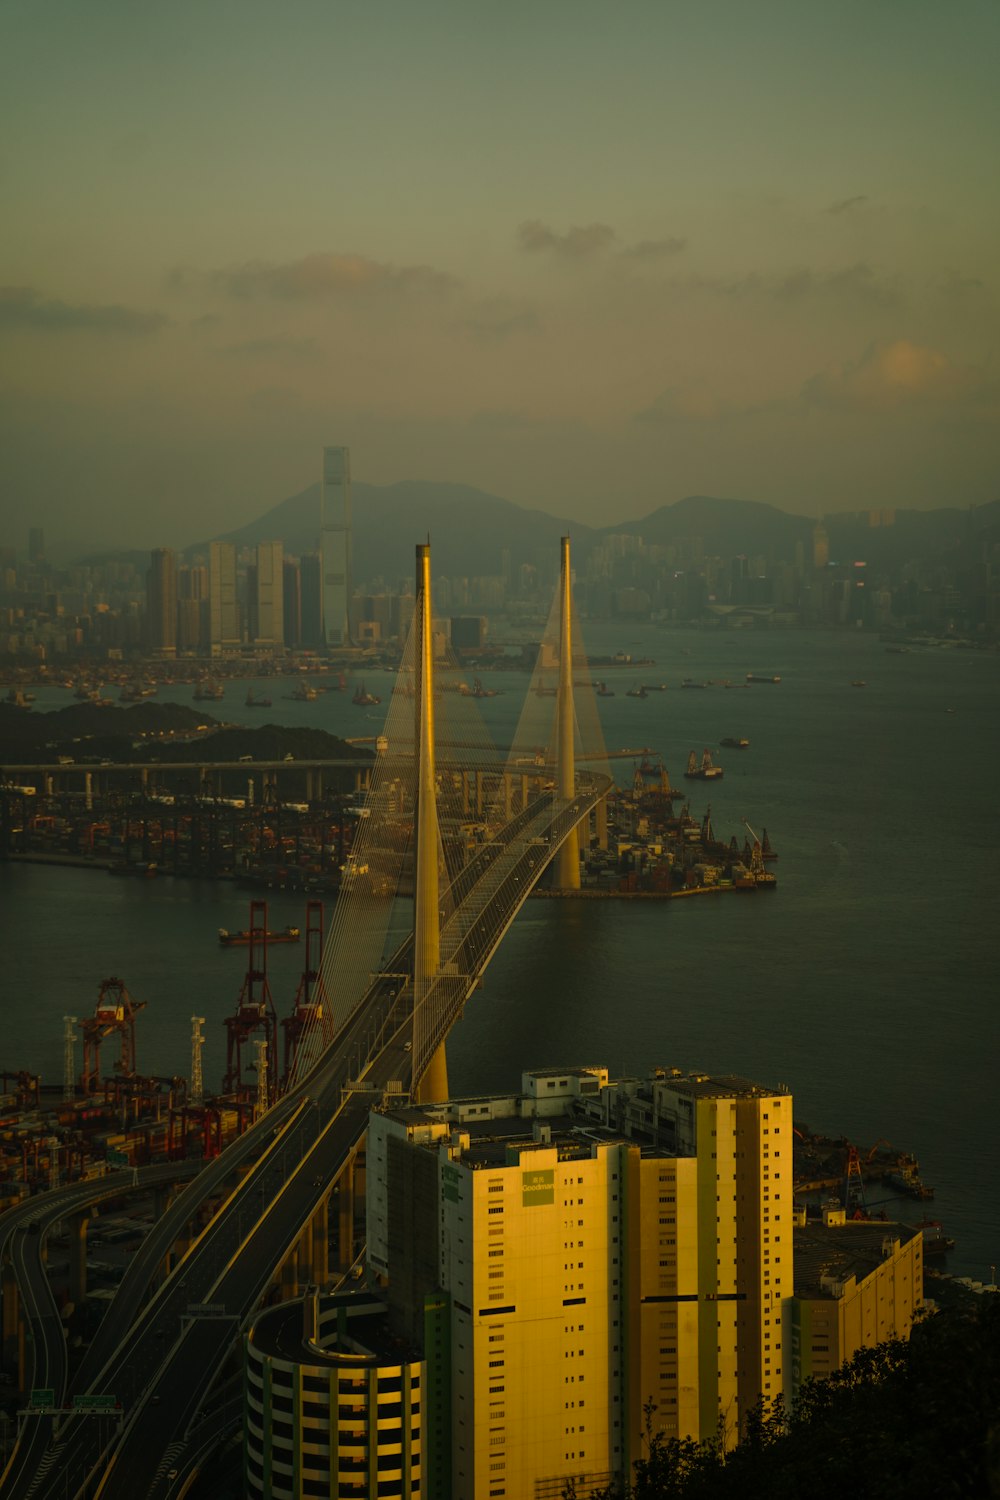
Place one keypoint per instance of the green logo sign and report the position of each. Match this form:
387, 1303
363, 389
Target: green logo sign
450, 1179
538, 1187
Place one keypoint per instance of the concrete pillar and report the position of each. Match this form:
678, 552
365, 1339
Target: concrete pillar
88, 790
76, 1226
524, 793
319, 1269
10, 1309
601, 821
345, 1216
480, 794
290, 1273
567, 862
426, 917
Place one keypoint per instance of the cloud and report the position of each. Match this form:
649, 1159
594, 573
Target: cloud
859, 282
498, 318
693, 403
845, 205
24, 307
578, 243
267, 348
316, 278
655, 249
896, 375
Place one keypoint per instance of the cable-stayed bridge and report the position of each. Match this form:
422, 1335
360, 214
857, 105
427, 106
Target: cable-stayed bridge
468, 835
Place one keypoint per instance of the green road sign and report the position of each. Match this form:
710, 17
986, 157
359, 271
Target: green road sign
42, 1398
94, 1403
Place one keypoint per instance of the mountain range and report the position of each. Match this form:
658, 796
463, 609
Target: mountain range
470, 529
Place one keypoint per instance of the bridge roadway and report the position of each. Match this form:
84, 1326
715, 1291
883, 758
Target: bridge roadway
162, 1365
23, 1229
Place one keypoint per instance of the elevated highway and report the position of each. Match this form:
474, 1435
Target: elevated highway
161, 1360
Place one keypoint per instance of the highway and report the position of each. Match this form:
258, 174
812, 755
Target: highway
162, 1361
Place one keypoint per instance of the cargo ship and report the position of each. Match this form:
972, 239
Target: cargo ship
753, 677
242, 938
707, 770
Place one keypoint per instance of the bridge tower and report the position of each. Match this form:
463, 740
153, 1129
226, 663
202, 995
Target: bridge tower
567, 862
426, 910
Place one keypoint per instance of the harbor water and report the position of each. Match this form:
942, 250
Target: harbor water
866, 982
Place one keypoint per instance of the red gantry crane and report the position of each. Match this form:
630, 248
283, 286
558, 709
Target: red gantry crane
255, 1014
115, 1012
311, 1012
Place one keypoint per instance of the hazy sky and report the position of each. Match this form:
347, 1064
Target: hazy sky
591, 256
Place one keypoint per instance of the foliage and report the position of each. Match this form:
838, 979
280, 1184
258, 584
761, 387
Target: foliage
900, 1421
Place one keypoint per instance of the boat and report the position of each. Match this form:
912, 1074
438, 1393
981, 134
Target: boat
252, 701
363, 699
936, 1242
732, 743
603, 691
208, 691
242, 938
859, 682
16, 698
689, 682
754, 677
706, 770
766, 851
636, 692
304, 692
541, 691
478, 691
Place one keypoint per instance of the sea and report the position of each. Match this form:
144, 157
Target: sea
867, 982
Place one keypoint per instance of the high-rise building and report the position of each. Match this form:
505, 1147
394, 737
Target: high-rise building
265, 594
820, 546
291, 603
36, 544
223, 605
597, 1247
161, 602
335, 544
311, 589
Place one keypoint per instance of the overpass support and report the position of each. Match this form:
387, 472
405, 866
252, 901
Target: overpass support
567, 863
13, 1324
426, 905
77, 1236
601, 823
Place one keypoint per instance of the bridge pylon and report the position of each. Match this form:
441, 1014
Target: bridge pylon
567, 862
433, 1084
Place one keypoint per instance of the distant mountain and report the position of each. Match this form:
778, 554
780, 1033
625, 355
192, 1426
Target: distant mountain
726, 527
470, 529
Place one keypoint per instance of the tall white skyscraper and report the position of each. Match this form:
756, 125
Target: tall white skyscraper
336, 544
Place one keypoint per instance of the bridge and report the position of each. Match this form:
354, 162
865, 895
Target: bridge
470, 835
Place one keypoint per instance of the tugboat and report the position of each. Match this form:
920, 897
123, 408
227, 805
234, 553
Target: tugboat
252, 701
603, 691
242, 938
706, 771
363, 699
478, 691
636, 692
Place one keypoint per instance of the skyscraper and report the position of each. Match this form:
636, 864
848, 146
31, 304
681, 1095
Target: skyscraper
161, 602
291, 589
223, 606
336, 545
265, 606
595, 1246
311, 587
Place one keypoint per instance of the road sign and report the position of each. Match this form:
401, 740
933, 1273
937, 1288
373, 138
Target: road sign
206, 1309
117, 1159
94, 1403
42, 1398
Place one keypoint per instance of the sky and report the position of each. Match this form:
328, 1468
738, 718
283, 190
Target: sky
592, 257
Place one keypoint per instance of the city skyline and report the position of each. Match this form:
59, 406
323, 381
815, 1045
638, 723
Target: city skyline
594, 268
